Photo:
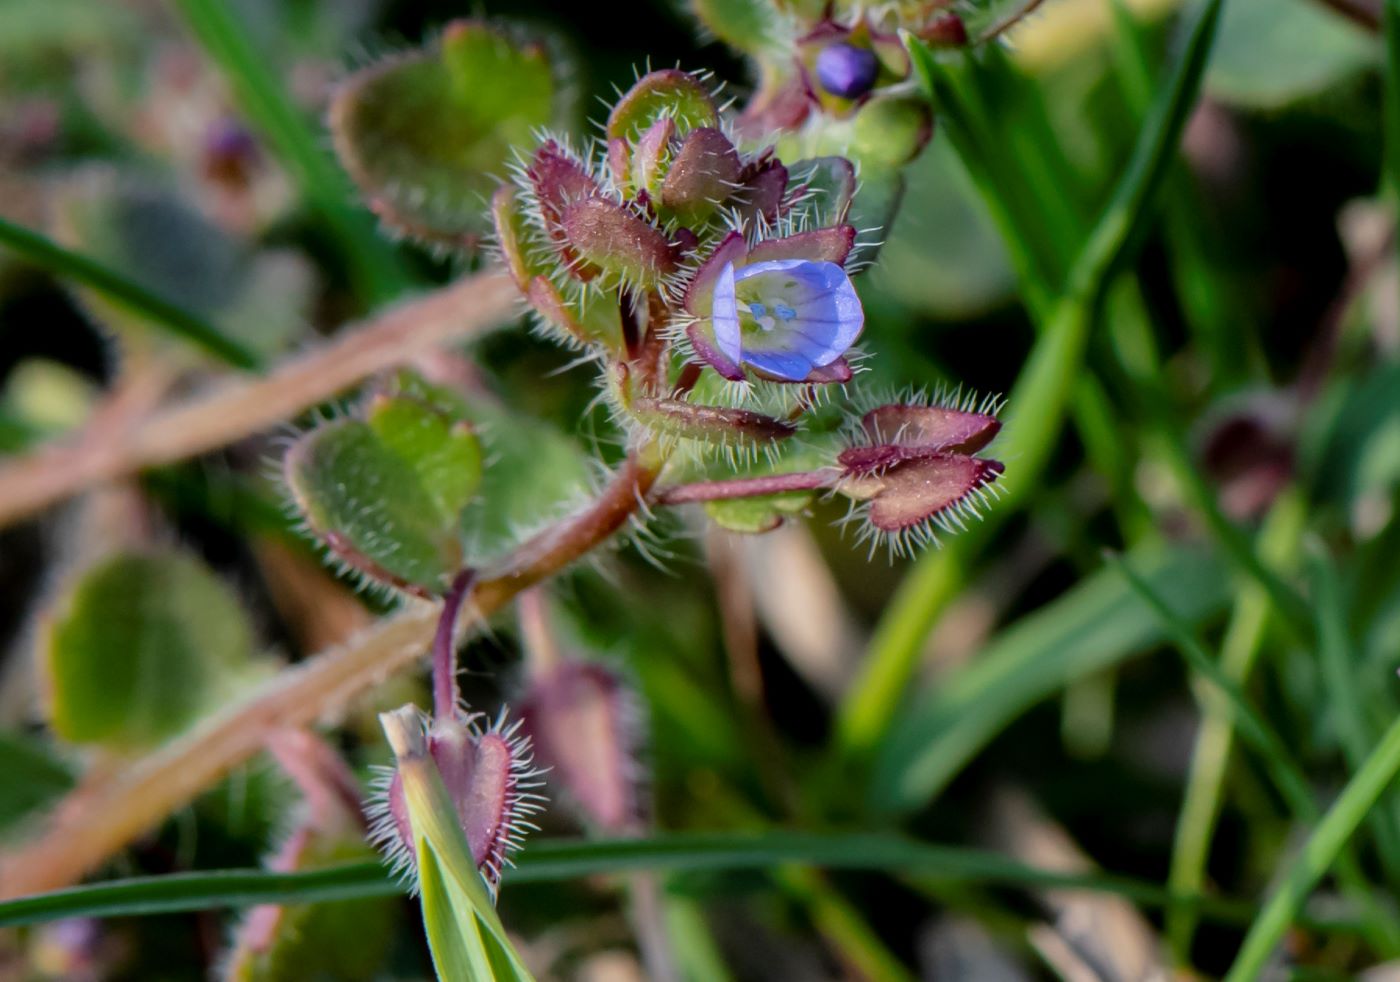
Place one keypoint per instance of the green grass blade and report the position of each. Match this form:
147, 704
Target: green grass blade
697, 954
1287, 775
553, 861
845, 928
1321, 850
174, 892
1098, 623
1127, 211
1244, 635
163, 314
1348, 711
465, 934
1283, 768
1040, 396
374, 266
951, 84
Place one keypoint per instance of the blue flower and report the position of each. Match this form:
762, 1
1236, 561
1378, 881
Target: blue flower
785, 317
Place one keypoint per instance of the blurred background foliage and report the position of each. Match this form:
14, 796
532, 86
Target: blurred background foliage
1241, 398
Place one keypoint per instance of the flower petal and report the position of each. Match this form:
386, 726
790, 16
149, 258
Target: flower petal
724, 315
786, 366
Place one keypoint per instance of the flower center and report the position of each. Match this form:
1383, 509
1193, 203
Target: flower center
760, 314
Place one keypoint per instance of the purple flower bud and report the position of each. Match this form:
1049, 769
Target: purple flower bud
490, 777
895, 433
847, 71
785, 317
924, 489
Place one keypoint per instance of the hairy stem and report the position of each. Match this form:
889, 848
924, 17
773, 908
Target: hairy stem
107, 813
445, 693
747, 487
243, 406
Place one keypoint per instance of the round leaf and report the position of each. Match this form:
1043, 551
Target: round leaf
427, 134
139, 646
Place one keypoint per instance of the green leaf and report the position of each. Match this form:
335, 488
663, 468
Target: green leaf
536, 473
754, 27
754, 515
828, 188
890, 131
1100, 622
47, 397
670, 94
30, 777
960, 271
386, 494
763, 514
443, 455
427, 134
139, 647
1275, 52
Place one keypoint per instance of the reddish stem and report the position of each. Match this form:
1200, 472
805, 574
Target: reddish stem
747, 487
690, 374
445, 693
631, 329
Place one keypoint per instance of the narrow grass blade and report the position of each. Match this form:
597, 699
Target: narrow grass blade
1279, 540
160, 312
1287, 775
466, 937
554, 861
1317, 856
1348, 710
1125, 217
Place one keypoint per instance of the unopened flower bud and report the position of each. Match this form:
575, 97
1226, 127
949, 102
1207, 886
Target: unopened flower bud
914, 468
490, 778
847, 71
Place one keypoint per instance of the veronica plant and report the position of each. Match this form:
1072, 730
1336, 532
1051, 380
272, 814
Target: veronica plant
704, 268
